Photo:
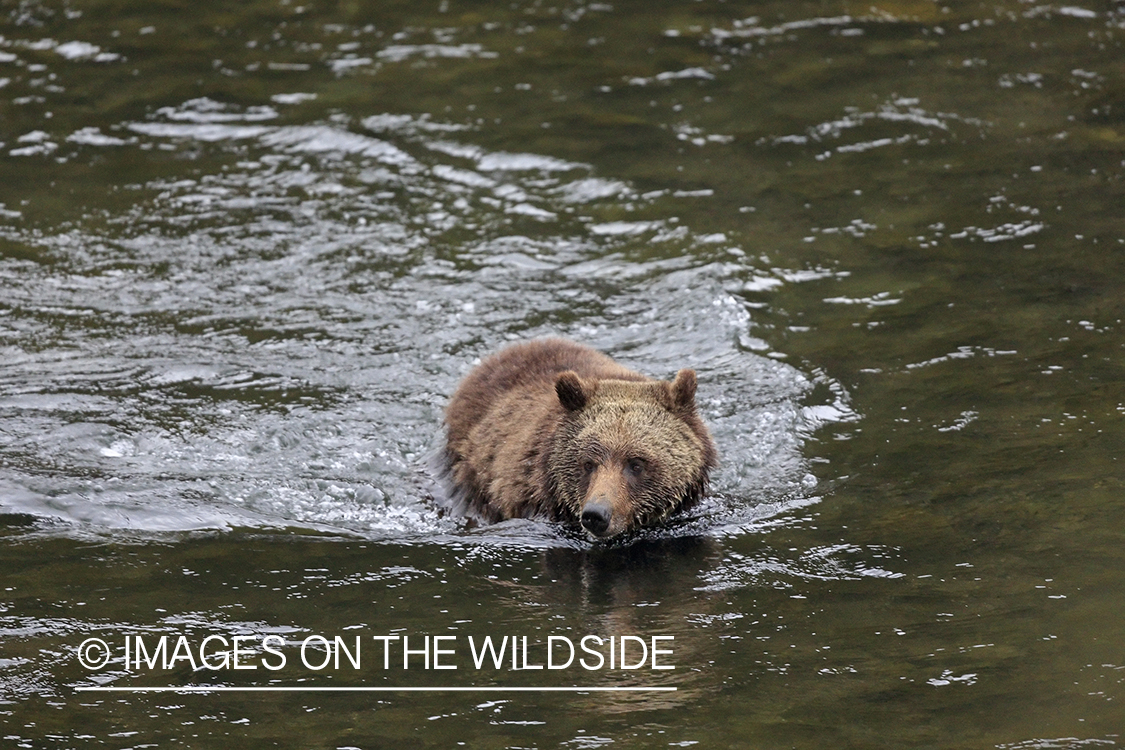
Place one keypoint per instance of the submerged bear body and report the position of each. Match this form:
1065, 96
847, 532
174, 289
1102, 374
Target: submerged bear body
554, 429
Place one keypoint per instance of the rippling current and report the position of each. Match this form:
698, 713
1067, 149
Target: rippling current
273, 344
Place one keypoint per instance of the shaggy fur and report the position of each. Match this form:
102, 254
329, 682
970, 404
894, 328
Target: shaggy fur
551, 428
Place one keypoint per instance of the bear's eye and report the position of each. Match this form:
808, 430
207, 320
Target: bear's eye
635, 467
588, 466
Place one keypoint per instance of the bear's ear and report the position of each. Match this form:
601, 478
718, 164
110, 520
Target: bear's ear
572, 395
683, 389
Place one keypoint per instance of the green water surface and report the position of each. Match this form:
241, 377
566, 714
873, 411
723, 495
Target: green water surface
247, 250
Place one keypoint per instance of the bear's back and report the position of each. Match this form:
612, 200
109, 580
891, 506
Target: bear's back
533, 365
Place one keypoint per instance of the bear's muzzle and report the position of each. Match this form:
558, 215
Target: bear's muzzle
596, 516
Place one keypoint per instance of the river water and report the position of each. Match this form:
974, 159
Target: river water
247, 251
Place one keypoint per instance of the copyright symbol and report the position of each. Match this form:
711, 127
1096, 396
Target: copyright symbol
94, 653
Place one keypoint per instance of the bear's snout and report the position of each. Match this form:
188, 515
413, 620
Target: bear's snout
596, 516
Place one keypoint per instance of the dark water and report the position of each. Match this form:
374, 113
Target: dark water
247, 251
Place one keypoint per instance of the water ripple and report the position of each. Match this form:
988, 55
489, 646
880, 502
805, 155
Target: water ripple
272, 344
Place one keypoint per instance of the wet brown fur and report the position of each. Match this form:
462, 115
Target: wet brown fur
548, 427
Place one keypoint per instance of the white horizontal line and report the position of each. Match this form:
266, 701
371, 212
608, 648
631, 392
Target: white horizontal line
298, 689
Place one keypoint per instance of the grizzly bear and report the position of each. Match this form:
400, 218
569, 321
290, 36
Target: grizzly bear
550, 428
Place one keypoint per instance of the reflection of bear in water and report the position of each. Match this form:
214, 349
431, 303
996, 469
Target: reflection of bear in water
551, 428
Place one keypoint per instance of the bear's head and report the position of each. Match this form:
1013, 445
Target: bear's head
628, 453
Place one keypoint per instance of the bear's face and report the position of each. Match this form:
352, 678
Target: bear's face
628, 453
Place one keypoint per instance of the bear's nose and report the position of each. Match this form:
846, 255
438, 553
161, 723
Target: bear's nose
596, 516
